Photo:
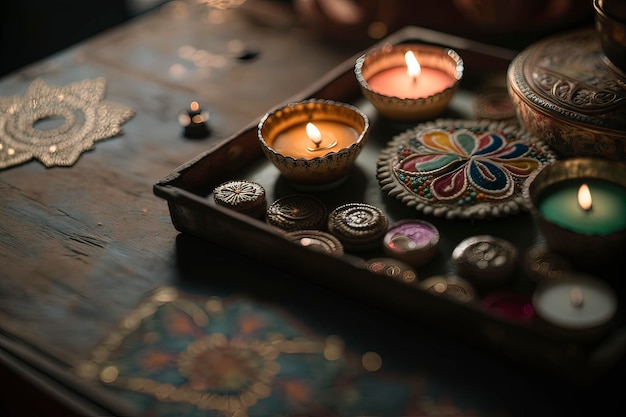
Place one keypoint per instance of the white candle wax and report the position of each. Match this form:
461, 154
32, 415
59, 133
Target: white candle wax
575, 302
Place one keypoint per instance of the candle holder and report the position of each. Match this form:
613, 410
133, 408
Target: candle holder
382, 76
575, 306
591, 237
319, 160
194, 122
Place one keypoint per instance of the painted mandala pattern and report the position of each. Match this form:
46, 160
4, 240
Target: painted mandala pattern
181, 354
462, 168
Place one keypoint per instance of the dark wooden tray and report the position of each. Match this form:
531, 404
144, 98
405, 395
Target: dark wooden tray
188, 189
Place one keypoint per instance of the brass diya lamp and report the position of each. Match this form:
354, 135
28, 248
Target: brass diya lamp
579, 205
314, 143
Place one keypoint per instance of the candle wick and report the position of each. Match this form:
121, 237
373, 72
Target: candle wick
576, 297
317, 147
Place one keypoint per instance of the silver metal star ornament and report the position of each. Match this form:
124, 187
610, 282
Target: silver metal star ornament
82, 118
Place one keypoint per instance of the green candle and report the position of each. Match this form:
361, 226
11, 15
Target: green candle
559, 205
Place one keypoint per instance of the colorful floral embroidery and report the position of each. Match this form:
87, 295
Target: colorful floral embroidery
461, 166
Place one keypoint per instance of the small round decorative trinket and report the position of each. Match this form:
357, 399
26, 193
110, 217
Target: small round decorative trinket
194, 122
297, 212
494, 104
412, 241
542, 263
359, 226
243, 196
316, 240
575, 305
485, 260
393, 268
450, 286
510, 306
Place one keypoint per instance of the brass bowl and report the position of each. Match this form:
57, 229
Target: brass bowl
610, 19
318, 172
587, 251
409, 109
564, 93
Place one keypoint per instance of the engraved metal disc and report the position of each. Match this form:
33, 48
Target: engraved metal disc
316, 240
297, 212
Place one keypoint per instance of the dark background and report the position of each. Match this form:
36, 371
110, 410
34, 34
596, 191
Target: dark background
31, 30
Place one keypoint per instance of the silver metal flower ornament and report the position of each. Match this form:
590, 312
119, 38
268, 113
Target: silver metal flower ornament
83, 118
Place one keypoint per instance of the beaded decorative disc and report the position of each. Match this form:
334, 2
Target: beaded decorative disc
462, 168
247, 197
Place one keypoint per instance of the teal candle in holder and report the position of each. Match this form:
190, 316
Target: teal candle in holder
588, 206
579, 206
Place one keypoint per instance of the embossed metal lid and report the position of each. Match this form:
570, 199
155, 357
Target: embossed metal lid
297, 212
485, 260
359, 226
565, 80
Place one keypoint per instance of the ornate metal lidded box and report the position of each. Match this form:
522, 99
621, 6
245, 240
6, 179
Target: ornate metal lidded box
565, 92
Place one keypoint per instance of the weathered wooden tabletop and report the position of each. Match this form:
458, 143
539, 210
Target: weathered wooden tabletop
85, 243
82, 246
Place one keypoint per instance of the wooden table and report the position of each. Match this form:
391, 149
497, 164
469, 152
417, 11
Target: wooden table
83, 247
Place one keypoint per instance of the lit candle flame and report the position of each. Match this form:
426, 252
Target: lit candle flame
413, 68
576, 297
314, 134
584, 197
316, 137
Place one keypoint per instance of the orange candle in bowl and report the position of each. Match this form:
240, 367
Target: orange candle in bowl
313, 139
314, 143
